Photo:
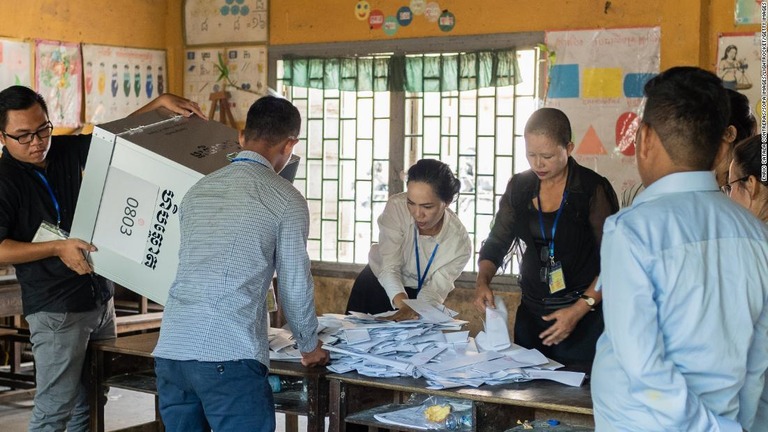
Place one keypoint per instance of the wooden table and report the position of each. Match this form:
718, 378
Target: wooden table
21, 381
126, 362
355, 398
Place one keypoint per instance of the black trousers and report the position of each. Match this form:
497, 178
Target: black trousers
577, 351
368, 296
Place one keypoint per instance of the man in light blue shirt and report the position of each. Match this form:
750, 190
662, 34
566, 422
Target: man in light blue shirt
239, 225
684, 278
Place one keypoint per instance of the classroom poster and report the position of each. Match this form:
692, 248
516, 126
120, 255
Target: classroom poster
118, 81
58, 75
225, 21
200, 75
747, 12
15, 63
247, 72
597, 79
738, 64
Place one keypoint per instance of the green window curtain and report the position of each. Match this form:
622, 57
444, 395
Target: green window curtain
465, 71
412, 73
346, 74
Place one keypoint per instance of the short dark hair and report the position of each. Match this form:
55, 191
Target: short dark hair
742, 117
272, 119
552, 123
688, 108
438, 175
747, 157
18, 98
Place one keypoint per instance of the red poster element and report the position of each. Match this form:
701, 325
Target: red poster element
591, 144
626, 129
376, 20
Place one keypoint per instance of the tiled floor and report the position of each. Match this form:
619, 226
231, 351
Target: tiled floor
125, 408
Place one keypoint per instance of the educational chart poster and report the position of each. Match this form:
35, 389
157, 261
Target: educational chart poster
225, 21
118, 81
738, 64
747, 12
15, 63
597, 79
200, 75
247, 71
58, 69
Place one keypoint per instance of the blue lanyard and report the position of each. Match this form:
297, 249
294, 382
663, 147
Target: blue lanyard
53, 197
422, 277
554, 225
245, 159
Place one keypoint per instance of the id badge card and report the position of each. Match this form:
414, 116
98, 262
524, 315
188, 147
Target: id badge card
49, 232
556, 278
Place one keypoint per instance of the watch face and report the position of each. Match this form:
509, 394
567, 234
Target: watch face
590, 301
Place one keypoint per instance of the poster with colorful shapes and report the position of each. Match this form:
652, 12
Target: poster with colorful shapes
597, 79
15, 63
225, 21
118, 81
200, 75
57, 72
738, 64
747, 12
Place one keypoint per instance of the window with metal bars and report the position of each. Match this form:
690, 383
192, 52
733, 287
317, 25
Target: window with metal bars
356, 143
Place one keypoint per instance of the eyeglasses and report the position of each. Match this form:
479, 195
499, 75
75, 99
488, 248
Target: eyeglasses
726, 188
42, 133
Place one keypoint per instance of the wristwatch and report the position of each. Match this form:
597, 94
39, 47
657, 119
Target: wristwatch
590, 301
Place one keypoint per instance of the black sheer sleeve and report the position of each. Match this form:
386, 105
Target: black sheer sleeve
603, 204
496, 246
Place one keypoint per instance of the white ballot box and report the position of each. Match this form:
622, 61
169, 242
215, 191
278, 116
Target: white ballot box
138, 170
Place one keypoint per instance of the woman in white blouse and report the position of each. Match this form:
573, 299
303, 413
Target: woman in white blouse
423, 246
747, 183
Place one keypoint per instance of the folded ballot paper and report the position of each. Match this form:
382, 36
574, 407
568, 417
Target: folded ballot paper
496, 334
434, 348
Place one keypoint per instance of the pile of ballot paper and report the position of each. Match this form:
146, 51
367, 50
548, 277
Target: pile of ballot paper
433, 347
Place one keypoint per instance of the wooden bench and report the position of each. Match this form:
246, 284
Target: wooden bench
133, 323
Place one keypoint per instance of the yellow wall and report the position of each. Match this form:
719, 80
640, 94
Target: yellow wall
134, 23
689, 28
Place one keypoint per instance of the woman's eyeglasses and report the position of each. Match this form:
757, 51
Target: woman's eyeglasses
42, 133
726, 188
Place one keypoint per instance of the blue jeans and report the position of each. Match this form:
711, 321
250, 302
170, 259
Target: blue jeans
59, 343
223, 396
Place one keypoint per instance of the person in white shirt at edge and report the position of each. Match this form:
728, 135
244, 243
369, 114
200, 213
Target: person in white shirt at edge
423, 246
684, 276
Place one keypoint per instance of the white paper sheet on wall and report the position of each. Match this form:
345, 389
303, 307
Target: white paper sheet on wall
118, 80
15, 63
231, 21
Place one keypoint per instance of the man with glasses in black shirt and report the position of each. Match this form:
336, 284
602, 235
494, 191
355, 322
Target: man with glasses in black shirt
64, 302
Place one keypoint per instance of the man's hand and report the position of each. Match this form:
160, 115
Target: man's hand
403, 314
317, 357
565, 321
178, 105
483, 298
71, 252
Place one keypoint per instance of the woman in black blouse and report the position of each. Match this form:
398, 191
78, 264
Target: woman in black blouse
557, 210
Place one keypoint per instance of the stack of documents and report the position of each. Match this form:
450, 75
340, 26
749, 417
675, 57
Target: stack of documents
432, 347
